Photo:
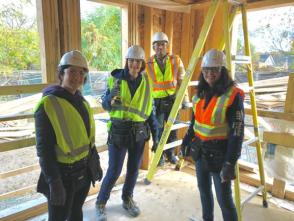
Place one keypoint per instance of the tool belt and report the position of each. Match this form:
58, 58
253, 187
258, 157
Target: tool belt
212, 153
164, 104
127, 133
74, 172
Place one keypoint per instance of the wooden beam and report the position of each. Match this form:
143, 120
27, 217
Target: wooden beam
17, 144
69, 25
279, 188
18, 192
22, 89
148, 30
283, 139
119, 3
272, 114
19, 171
47, 20
289, 103
267, 4
133, 24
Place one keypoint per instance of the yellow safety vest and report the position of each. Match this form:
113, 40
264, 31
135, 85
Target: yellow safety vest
164, 84
136, 109
73, 141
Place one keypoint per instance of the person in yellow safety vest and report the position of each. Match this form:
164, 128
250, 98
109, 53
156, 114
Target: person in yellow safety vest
214, 138
65, 135
166, 72
130, 104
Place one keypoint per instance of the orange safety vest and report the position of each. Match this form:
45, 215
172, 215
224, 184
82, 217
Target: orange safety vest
164, 84
211, 122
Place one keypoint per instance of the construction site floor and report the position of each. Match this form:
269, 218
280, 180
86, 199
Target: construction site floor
173, 196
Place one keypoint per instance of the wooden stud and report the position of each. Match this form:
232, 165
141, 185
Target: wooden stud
279, 188
289, 103
168, 28
47, 17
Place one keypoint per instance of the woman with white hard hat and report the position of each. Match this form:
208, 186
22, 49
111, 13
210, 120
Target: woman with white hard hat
129, 102
214, 138
65, 139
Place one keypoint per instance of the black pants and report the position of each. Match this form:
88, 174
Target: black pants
72, 210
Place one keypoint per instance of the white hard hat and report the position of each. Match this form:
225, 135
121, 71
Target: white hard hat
213, 58
159, 36
75, 58
135, 52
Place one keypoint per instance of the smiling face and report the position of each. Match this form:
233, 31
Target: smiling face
134, 66
160, 48
211, 75
73, 78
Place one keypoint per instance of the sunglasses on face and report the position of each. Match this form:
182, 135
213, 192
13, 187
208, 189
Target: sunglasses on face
211, 69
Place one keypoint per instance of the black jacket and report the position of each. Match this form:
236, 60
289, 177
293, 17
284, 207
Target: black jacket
46, 139
133, 85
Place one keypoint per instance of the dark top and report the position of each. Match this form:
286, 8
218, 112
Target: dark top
235, 117
45, 136
133, 86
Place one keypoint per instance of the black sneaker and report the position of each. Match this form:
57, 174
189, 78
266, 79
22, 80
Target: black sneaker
100, 212
130, 206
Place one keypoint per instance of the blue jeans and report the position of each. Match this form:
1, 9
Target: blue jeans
223, 194
115, 164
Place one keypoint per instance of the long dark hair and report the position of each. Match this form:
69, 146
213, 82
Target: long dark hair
220, 86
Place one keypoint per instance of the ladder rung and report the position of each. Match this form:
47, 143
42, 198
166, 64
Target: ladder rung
180, 125
248, 198
241, 59
250, 141
172, 144
193, 83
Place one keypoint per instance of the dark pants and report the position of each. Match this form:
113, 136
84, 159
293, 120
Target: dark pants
223, 194
162, 115
115, 164
72, 210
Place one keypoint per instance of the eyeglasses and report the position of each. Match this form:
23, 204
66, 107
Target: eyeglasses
206, 70
160, 43
75, 71
131, 60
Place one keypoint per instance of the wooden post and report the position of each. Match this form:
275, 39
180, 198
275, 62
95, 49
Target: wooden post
69, 25
47, 17
289, 103
148, 30
279, 188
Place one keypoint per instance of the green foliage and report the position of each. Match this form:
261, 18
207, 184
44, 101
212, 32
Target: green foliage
19, 39
101, 38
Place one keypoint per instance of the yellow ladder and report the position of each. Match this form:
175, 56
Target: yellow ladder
229, 17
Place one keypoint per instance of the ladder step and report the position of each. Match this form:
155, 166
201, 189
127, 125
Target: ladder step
172, 144
179, 125
248, 198
250, 141
241, 59
193, 83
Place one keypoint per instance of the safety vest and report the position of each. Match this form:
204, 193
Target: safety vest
164, 84
211, 122
73, 141
137, 108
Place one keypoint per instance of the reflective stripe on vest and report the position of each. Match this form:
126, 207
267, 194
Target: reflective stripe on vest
136, 109
211, 123
163, 84
72, 139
